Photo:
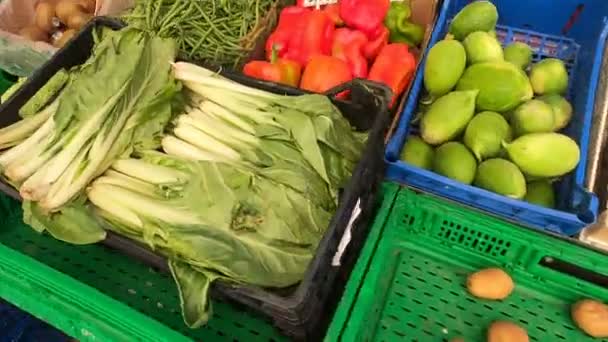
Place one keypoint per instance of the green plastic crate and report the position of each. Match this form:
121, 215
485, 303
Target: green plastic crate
409, 283
95, 294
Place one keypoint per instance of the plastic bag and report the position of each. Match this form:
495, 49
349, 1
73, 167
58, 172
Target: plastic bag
20, 56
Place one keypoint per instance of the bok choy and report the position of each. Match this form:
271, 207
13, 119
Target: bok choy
117, 102
244, 190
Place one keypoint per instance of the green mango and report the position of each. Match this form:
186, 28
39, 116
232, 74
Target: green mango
485, 134
455, 161
482, 47
549, 76
518, 54
448, 116
502, 177
502, 86
533, 116
476, 16
418, 153
444, 65
541, 193
544, 154
562, 110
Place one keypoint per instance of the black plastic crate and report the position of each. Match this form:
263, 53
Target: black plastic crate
303, 311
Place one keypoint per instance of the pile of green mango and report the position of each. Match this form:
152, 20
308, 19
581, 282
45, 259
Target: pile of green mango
495, 117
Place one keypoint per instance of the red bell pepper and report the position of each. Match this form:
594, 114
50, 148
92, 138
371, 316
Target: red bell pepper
373, 47
333, 12
325, 72
313, 35
394, 66
288, 21
348, 46
277, 70
364, 15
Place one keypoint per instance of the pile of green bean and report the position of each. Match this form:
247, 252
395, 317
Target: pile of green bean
223, 32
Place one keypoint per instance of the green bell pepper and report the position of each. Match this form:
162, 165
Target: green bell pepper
401, 29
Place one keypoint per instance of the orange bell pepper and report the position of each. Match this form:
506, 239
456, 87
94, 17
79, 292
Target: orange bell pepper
394, 66
325, 72
278, 70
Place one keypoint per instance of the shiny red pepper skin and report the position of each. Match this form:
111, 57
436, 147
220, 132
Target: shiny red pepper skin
364, 15
312, 35
394, 66
323, 73
283, 33
333, 12
348, 46
373, 47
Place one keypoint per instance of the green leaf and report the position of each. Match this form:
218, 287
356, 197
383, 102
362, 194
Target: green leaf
73, 224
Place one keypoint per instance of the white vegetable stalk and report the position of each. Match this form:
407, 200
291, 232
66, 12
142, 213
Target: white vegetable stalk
179, 148
188, 72
23, 129
108, 197
205, 142
63, 159
146, 172
33, 140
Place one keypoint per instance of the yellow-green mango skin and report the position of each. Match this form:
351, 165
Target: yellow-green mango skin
476, 16
485, 134
544, 154
562, 110
549, 76
533, 116
448, 116
502, 86
502, 177
541, 193
455, 161
444, 65
418, 153
482, 47
518, 54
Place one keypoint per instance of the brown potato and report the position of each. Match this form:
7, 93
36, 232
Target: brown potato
491, 283
65, 37
503, 331
67, 8
591, 317
34, 33
88, 5
78, 20
45, 12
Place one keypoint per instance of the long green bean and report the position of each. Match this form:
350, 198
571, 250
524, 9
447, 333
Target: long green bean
219, 31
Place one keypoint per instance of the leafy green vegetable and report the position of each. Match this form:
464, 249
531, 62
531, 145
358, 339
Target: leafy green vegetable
222, 220
244, 190
118, 102
91, 125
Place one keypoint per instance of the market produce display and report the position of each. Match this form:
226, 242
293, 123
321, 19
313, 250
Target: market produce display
57, 23
370, 39
227, 181
217, 31
490, 118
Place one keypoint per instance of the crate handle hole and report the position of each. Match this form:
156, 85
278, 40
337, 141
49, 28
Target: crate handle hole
586, 217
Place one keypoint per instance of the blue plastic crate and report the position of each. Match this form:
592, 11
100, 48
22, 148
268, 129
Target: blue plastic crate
19, 326
572, 30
